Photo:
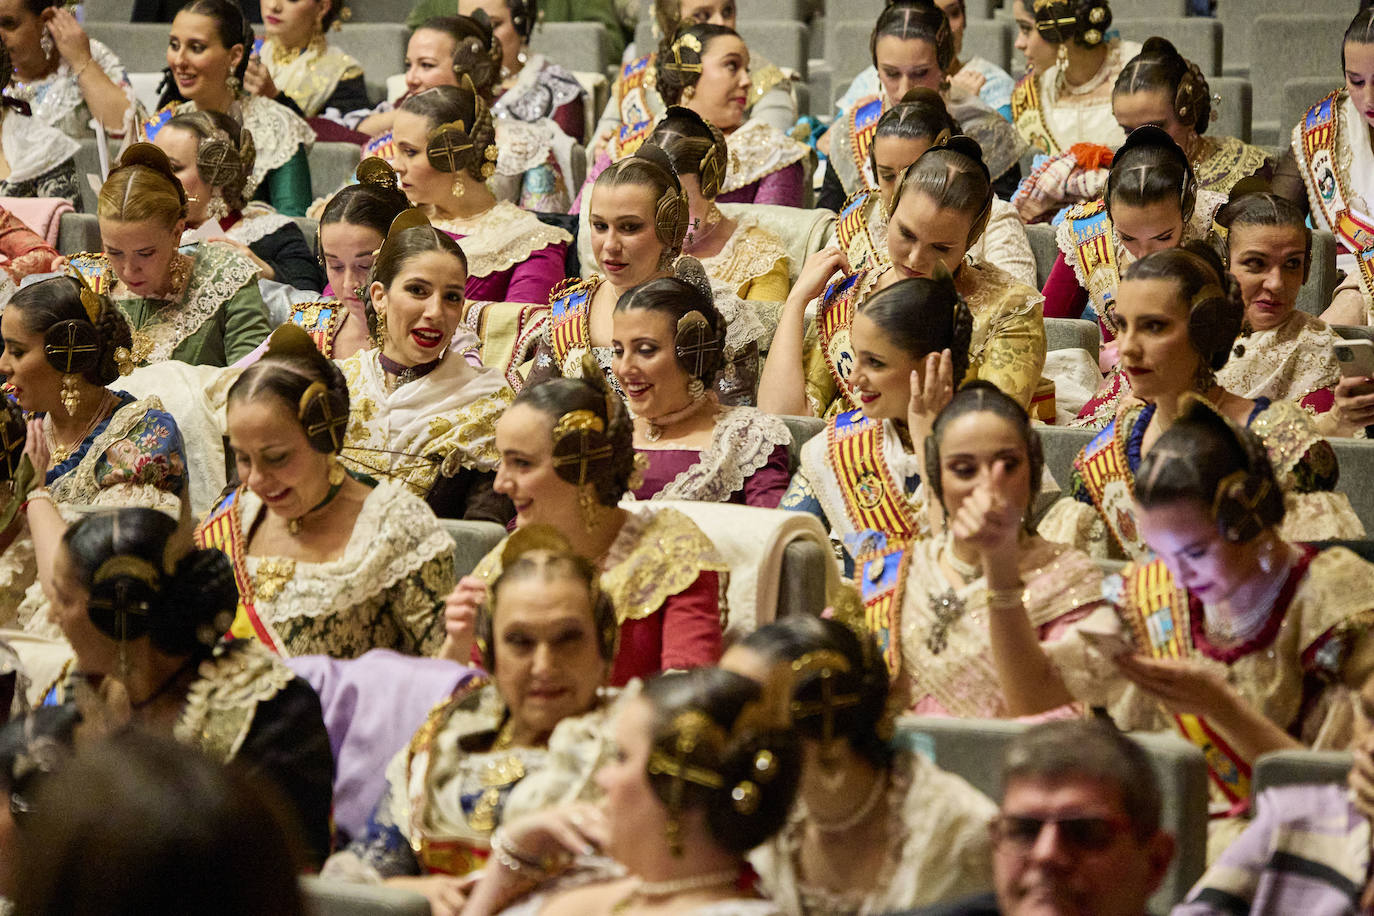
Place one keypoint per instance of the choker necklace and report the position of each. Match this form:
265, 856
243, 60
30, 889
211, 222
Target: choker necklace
404, 375
704, 228
652, 889
861, 814
673, 417
337, 476
969, 571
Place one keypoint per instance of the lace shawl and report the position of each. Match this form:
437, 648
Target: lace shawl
258, 220
277, 132
749, 253
224, 696
382, 591
1286, 363
757, 150
541, 88
501, 237
312, 75
741, 443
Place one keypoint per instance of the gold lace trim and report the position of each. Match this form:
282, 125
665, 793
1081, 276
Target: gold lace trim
1231, 161
501, 237
749, 253
227, 690
78, 486
655, 556
757, 150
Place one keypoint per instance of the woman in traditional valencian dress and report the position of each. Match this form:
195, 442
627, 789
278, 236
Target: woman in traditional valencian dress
706, 769
102, 447
207, 56
63, 75
143, 612
1159, 86
295, 65
534, 161
1180, 313
445, 152
638, 215
39, 160
213, 158
905, 131
567, 459
1244, 641
912, 45
352, 228
669, 344
914, 834
862, 476
706, 68
1065, 98
1151, 203
939, 209
737, 253
531, 86
1283, 354
203, 309
493, 751
421, 415
326, 562
635, 103
1330, 168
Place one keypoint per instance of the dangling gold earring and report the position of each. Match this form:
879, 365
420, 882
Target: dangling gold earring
381, 328
336, 472
589, 507
70, 396
688, 94
458, 189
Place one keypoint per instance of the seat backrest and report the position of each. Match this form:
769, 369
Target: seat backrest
332, 166
380, 11
803, 232
471, 542
1197, 39
803, 583
339, 898
1286, 47
1315, 295
1288, 768
991, 39
1062, 445
781, 41
311, 230
1072, 333
1234, 111
802, 429
575, 45
974, 749
140, 46
846, 48
1045, 249
1239, 20
77, 232
378, 47
1355, 457
1299, 94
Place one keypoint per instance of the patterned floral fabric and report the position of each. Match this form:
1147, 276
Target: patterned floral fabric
384, 591
1295, 361
1223, 161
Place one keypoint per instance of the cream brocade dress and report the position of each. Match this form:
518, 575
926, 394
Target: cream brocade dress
1053, 118
947, 667
309, 76
451, 412
385, 590
938, 847
1292, 362
752, 264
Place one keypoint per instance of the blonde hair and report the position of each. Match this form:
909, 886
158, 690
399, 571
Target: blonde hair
142, 187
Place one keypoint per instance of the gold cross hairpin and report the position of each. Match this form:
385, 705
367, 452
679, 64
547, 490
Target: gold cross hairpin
695, 342
579, 423
70, 349
826, 664
447, 146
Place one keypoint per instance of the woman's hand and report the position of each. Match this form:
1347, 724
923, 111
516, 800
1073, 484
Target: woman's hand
991, 522
559, 832
258, 81
929, 395
460, 618
68, 37
446, 894
1184, 686
263, 267
969, 80
816, 273
602, 142
1354, 407
36, 447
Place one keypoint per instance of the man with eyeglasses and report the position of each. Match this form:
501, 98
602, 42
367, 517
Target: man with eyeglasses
1078, 828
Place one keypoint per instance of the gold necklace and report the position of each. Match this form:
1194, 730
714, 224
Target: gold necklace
60, 452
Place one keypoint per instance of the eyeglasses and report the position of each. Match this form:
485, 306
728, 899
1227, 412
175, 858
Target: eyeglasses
1084, 834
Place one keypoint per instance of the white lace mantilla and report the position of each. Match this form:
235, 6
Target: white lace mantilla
757, 150
258, 220
277, 133
394, 535
540, 89
501, 237
742, 442
226, 692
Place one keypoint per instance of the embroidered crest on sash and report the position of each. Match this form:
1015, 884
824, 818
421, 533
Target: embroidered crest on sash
223, 530
833, 324
570, 317
1107, 475
863, 124
1319, 138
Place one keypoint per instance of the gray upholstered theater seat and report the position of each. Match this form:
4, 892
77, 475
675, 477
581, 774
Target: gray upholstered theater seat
1356, 460
802, 429
781, 41
1197, 39
1316, 293
991, 39
583, 46
332, 166
1239, 19
1287, 47
1287, 768
1072, 333
337, 898
378, 47
380, 11
1235, 108
1299, 94
471, 542
1062, 445
77, 232
974, 748
1044, 248
803, 232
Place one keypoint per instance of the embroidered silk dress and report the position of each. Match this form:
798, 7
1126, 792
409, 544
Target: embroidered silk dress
385, 590
315, 78
746, 462
667, 581
543, 89
1098, 515
42, 159
436, 434
281, 170
1007, 348
1053, 117
512, 256
1295, 361
752, 263
57, 101
134, 457
456, 781
1301, 671
937, 847
1220, 162
218, 319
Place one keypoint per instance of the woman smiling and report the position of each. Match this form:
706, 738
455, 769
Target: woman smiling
296, 66
207, 57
